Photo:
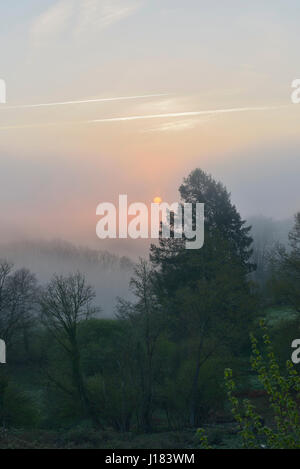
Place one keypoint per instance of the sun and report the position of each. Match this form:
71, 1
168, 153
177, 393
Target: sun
157, 200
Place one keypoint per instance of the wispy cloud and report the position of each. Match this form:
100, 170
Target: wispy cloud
176, 126
83, 101
52, 22
95, 15
188, 114
212, 112
77, 17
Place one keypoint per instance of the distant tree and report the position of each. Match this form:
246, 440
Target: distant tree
286, 269
5, 270
267, 235
294, 236
65, 302
264, 240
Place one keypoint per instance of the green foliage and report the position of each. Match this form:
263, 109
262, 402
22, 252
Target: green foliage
17, 408
206, 293
81, 435
282, 391
283, 432
159, 364
201, 435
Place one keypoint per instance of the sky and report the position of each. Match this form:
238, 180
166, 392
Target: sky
178, 62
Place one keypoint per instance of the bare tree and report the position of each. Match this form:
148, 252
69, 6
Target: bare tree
5, 270
145, 316
65, 302
18, 300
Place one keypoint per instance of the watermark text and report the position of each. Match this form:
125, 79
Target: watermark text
2, 91
162, 220
2, 351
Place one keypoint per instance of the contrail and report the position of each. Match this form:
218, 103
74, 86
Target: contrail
185, 114
85, 101
149, 116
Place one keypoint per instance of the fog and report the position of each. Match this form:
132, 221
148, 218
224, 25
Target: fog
109, 274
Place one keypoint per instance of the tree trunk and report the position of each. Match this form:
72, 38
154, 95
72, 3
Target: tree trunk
193, 402
81, 389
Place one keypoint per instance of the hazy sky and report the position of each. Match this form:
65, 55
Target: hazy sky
57, 165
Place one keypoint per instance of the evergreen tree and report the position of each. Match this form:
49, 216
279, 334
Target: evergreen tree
206, 292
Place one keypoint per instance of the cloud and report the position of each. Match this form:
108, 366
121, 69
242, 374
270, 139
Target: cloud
212, 112
79, 17
176, 126
96, 15
190, 113
83, 101
52, 22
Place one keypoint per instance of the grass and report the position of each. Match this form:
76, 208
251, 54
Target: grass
220, 436
276, 315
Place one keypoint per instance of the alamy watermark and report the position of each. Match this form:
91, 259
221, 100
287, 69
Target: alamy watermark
295, 96
2, 91
296, 353
2, 351
164, 220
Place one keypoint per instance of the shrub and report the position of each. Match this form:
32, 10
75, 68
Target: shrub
17, 408
282, 392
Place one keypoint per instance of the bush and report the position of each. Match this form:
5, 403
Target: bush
17, 408
282, 391
82, 435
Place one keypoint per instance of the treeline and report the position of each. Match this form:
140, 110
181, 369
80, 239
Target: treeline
160, 362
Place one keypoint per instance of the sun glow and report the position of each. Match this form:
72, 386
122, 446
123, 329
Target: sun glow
157, 200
